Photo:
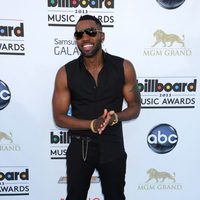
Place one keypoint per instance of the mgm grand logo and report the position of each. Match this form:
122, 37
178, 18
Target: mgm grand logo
6, 142
160, 176
5, 136
160, 180
167, 44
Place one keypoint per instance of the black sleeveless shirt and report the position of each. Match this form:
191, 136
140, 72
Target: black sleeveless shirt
88, 100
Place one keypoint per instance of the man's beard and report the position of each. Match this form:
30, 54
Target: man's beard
93, 52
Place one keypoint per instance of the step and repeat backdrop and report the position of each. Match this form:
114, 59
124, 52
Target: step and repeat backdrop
160, 37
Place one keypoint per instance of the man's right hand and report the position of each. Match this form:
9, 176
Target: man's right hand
101, 123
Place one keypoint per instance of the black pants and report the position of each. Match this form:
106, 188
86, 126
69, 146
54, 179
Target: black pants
79, 173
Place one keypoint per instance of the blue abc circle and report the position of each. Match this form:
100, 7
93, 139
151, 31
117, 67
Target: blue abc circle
5, 95
162, 138
170, 4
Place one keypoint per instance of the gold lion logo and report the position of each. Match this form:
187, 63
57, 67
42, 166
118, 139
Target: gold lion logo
154, 174
6, 136
162, 37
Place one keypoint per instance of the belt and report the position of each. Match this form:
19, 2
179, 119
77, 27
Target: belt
78, 137
84, 143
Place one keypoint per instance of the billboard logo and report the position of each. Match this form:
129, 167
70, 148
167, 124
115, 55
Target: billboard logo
14, 181
9, 31
59, 143
14, 176
12, 37
170, 4
154, 85
5, 95
67, 12
162, 138
60, 138
81, 3
168, 92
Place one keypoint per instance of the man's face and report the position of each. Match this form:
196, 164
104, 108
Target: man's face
89, 45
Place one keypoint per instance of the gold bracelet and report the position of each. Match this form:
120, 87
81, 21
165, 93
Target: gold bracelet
115, 120
92, 126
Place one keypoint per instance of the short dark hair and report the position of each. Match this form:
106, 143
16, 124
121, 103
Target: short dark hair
90, 17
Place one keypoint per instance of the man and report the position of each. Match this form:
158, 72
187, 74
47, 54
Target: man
95, 86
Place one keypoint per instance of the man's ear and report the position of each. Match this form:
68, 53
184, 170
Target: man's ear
102, 37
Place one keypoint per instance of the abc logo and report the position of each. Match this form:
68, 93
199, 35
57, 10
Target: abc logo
162, 138
170, 4
4, 95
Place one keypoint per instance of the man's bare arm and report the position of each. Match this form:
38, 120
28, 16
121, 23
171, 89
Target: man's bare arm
131, 94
